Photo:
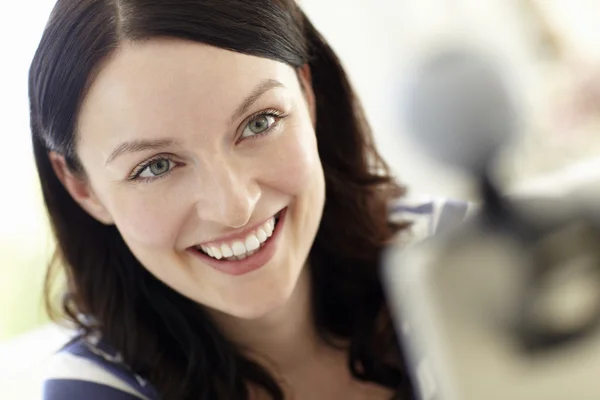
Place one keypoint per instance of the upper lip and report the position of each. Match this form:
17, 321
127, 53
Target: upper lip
239, 235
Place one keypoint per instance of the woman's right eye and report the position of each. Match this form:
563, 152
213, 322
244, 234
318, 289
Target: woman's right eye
153, 169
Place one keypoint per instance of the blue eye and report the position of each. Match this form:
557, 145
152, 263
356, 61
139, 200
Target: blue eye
260, 124
152, 169
156, 168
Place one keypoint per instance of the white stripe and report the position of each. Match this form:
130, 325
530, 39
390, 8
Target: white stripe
31, 348
68, 366
438, 206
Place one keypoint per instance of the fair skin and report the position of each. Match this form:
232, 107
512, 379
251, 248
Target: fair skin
216, 170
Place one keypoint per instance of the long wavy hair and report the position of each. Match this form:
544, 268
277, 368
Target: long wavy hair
162, 335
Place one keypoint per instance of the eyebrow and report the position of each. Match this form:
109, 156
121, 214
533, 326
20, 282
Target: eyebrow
135, 146
258, 91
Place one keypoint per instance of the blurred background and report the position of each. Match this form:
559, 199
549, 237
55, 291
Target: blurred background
550, 48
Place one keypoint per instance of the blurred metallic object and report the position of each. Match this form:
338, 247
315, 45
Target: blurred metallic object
460, 108
506, 306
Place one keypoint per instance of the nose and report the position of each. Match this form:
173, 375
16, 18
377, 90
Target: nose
228, 196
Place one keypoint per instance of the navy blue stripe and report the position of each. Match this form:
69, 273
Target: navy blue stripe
423, 209
81, 349
71, 389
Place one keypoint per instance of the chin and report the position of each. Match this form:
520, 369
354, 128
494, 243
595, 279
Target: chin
252, 310
270, 298
256, 311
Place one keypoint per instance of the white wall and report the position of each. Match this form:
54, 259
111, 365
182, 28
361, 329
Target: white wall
24, 237
21, 25
378, 40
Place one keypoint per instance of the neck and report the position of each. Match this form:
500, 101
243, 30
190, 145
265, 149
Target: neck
286, 337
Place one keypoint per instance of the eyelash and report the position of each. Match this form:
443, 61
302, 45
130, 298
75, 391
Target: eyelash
278, 115
135, 174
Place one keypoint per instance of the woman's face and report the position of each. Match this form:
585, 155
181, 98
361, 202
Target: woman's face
194, 152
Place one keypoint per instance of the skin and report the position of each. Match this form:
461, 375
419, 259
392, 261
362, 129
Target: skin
223, 178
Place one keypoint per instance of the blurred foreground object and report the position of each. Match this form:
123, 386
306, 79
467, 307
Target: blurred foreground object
506, 306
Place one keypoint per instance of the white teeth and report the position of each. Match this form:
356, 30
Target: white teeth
238, 248
216, 253
261, 235
226, 250
252, 243
268, 228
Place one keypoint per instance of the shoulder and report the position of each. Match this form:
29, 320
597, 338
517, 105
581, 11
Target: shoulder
430, 215
82, 370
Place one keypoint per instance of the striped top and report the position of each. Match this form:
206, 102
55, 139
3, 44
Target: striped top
89, 369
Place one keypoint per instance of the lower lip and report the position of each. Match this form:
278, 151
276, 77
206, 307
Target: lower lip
250, 263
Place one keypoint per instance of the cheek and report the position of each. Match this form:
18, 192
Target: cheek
148, 220
295, 165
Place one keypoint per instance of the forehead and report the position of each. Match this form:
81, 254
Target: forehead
171, 78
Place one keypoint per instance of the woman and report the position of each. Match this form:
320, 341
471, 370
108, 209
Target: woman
218, 204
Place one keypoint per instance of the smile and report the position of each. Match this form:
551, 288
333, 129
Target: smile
244, 254
240, 249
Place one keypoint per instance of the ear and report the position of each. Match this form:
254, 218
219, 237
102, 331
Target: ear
79, 189
305, 77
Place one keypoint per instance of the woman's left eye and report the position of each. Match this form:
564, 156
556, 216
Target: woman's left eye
259, 125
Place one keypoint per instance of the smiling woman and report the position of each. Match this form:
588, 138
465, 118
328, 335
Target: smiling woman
218, 204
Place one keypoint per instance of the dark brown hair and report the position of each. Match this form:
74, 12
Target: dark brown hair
162, 335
